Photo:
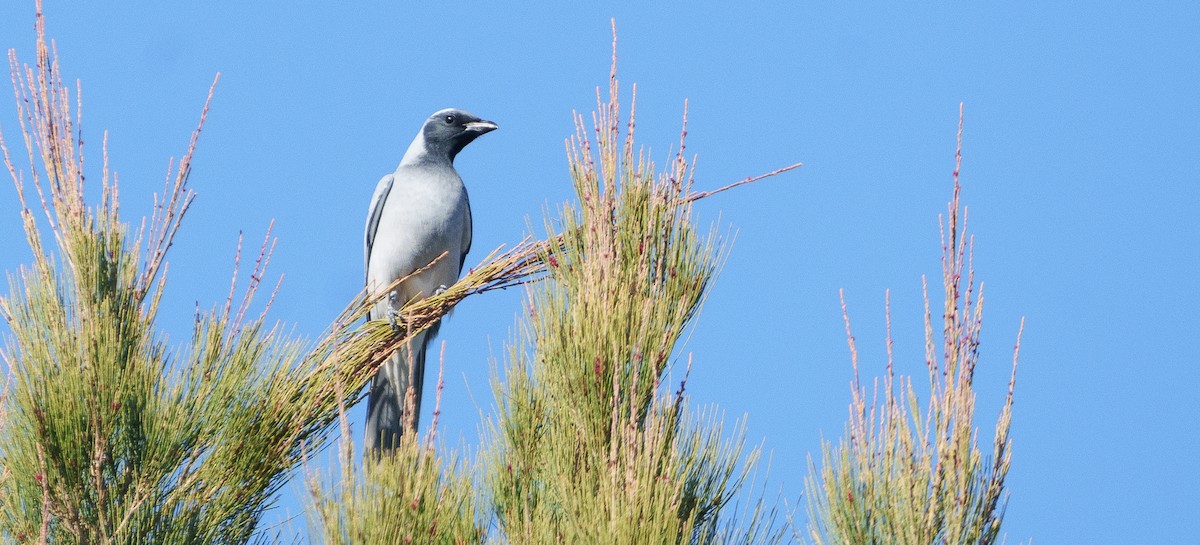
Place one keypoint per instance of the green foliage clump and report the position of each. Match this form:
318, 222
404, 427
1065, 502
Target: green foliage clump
108, 435
409, 495
589, 447
907, 476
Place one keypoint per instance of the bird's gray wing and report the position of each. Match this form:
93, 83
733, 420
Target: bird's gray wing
466, 247
377, 202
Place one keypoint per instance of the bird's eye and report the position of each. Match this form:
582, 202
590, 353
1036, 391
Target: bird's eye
449, 119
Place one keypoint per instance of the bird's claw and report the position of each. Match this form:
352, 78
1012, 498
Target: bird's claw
392, 314
440, 289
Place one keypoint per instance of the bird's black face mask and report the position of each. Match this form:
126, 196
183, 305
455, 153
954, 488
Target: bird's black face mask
451, 131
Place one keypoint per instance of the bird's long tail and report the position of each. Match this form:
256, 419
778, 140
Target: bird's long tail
390, 412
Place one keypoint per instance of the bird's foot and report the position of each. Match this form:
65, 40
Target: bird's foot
440, 289
393, 315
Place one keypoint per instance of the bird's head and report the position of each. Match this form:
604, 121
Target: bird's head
448, 131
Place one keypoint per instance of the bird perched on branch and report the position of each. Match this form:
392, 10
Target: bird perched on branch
418, 212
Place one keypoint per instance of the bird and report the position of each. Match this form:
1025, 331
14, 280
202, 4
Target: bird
417, 213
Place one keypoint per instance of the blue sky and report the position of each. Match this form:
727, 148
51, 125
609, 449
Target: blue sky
1080, 171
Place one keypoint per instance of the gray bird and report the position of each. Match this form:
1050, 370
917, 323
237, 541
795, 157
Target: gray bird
417, 213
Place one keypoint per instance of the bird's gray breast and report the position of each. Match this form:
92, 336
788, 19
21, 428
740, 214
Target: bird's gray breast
425, 214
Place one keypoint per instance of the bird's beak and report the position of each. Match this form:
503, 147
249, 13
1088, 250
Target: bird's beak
481, 126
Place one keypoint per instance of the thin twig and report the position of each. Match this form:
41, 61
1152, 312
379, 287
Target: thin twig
703, 194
